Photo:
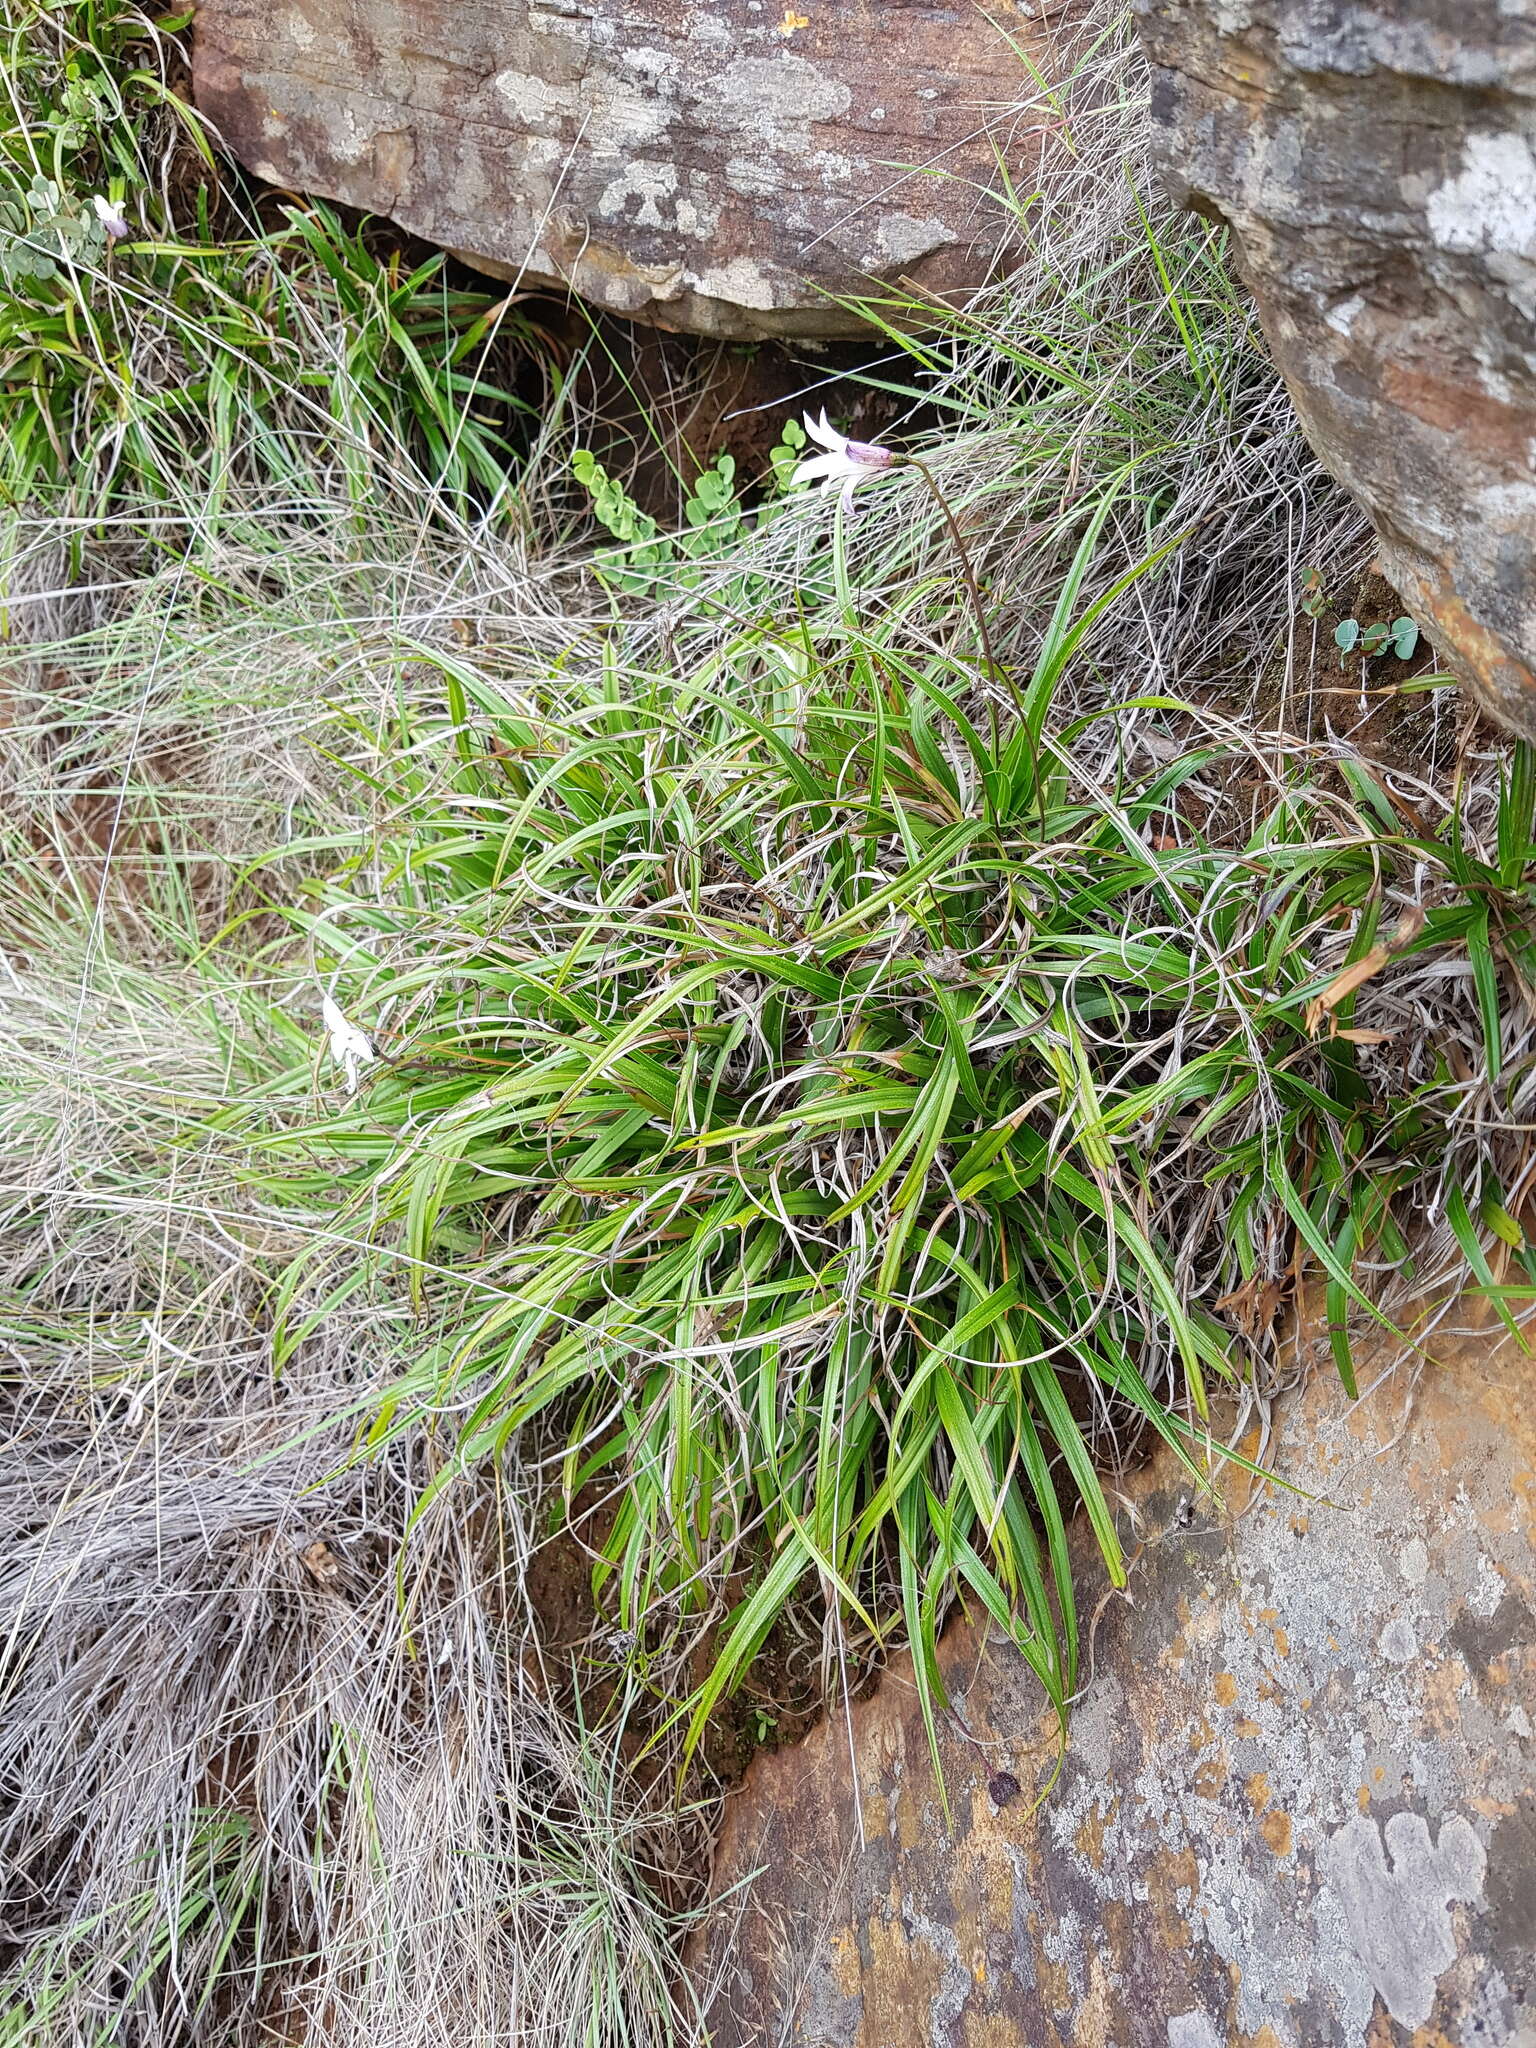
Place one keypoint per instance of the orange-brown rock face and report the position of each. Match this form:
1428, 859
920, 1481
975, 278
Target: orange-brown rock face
1298, 1808
1377, 163
717, 166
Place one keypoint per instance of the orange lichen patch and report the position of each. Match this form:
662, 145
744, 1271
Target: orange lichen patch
1169, 1873
1224, 1686
1491, 1809
1363, 1798
847, 1965
1380, 2033
1247, 1727
1443, 1684
1089, 1840
1282, 1643
1258, 1791
1209, 1781
900, 1985
1275, 1827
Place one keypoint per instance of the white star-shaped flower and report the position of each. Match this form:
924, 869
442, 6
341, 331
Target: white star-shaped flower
110, 213
351, 1049
845, 465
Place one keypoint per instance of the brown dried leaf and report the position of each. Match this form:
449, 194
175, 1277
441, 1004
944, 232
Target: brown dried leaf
1358, 973
1255, 1304
320, 1561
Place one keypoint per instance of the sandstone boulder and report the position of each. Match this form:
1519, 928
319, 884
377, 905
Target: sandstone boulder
1377, 163
1298, 1808
719, 169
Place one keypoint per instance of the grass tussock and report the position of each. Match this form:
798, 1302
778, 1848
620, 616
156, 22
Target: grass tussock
859, 1129
873, 1017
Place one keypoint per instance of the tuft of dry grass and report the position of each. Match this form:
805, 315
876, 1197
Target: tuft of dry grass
278, 1755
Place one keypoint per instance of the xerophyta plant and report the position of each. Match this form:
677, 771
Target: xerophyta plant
849, 1132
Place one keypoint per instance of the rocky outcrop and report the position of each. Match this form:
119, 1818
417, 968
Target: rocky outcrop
1299, 1804
1377, 162
719, 169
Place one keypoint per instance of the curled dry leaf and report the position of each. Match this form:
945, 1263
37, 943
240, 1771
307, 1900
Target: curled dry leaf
320, 1561
1356, 975
1255, 1305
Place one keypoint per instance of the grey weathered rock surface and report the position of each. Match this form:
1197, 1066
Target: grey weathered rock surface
1299, 1808
1377, 162
717, 168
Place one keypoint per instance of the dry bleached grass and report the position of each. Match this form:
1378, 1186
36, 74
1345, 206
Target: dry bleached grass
267, 1772
275, 1757
220, 1725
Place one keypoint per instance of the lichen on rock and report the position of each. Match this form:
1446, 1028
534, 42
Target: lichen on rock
720, 171
1271, 1829
1377, 165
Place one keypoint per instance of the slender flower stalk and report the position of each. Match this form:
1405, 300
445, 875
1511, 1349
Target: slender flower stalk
842, 467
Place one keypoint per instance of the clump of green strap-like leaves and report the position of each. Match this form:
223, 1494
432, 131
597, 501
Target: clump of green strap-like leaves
205, 351
843, 1119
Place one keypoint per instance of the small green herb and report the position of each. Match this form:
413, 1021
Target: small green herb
1401, 637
